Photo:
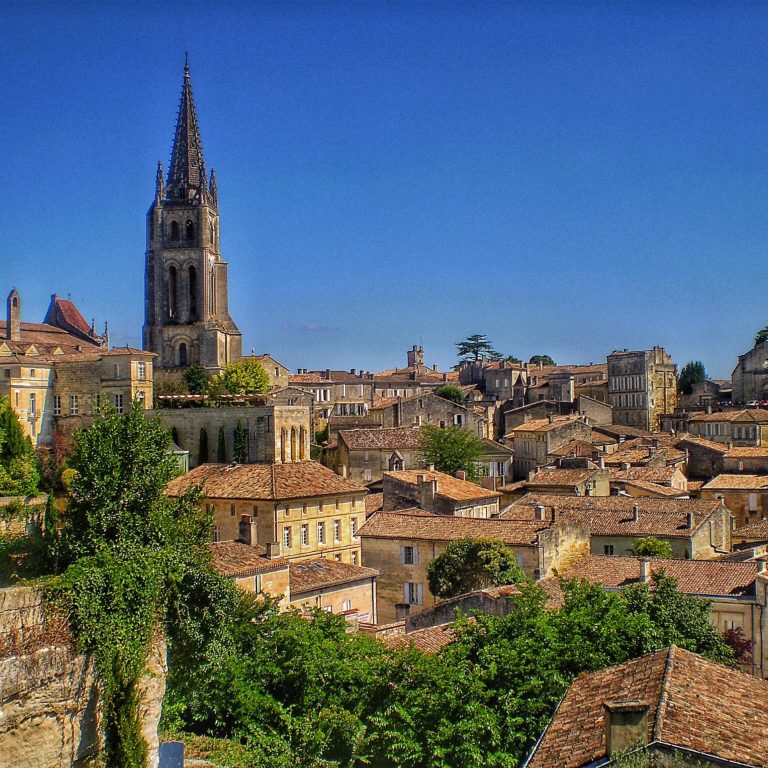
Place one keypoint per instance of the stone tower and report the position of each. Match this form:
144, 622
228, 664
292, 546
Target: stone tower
186, 312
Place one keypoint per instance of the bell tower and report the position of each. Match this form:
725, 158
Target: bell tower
186, 303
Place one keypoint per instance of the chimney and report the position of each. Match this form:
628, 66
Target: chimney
601, 462
461, 475
625, 466
689, 520
635, 512
531, 474
353, 371
541, 512
550, 417
645, 570
626, 725
761, 566
13, 319
651, 450
273, 550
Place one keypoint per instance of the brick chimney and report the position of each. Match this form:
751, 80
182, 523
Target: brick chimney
635, 512
689, 520
427, 490
273, 550
645, 570
626, 725
13, 319
541, 512
461, 475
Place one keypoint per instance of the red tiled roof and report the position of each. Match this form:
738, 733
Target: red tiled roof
562, 477
429, 640
702, 442
737, 482
233, 559
692, 703
448, 487
752, 415
67, 312
747, 452
695, 577
654, 488
308, 575
381, 439
271, 482
757, 530
543, 425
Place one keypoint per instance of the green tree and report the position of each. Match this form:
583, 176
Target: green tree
761, 336
196, 379
650, 546
450, 392
692, 373
451, 450
202, 451
19, 472
474, 347
245, 377
543, 359
221, 447
470, 564
239, 453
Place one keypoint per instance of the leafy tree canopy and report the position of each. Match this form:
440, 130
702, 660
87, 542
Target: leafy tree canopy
196, 379
452, 449
245, 377
543, 359
450, 392
476, 346
692, 373
471, 564
650, 546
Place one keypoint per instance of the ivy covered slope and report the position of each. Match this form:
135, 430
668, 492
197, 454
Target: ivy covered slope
133, 564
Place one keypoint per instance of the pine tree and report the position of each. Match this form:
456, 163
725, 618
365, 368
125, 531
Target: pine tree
239, 452
202, 452
221, 448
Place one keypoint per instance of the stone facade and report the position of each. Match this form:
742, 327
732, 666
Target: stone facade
186, 314
750, 376
533, 441
642, 386
428, 408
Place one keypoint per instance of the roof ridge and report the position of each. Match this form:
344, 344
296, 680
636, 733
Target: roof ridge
664, 698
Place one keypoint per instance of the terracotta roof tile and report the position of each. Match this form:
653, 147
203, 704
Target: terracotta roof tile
448, 487
693, 703
543, 425
758, 530
308, 575
655, 488
263, 481
695, 577
373, 503
751, 415
381, 439
233, 559
737, 482
702, 442
648, 474
429, 640
396, 525
760, 452
563, 477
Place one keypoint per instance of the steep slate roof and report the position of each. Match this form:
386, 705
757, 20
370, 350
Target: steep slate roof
614, 515
447, 486
754, 415
693, 704
737, 482
695, 577
381, 439
396, 525
233, 559
318, 573
270, 482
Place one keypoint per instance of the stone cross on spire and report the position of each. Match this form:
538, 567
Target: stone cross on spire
187, 164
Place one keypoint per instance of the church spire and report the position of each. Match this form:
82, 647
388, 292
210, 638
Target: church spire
187, 164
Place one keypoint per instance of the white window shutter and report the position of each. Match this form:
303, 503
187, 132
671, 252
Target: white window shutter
419, 593
405, 593
415, 555
402, 554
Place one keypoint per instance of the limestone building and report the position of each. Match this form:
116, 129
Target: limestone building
186, 314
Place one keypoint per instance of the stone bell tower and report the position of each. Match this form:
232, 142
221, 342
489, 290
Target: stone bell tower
186, 305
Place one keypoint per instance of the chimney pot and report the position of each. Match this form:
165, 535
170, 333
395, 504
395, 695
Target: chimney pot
635, 512
461, 475
625, 466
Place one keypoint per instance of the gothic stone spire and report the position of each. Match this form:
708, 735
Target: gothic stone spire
187, 164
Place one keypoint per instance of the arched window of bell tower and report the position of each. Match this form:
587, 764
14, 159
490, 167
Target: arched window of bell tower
212, 293
189, 230
173, 293
192, 293
175, 233
182, 354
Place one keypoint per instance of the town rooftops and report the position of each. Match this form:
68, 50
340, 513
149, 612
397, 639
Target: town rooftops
236, 560
319, 573
654, 489
621, 430
713, 578
381, 439
737, 482
397, 525
580, 447
615, 515
753, 415
758, 530
427, 640
373, 503
561, 477
693, 704
269, 482
446, 486
647, 474
747, 452
702, 442
544, 425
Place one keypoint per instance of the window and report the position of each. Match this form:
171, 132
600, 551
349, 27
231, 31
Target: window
73, 405
607, 549
232, 510
174, 230
257, 583
119, 403
141, 397
117, 370
413, 593
287, 536
409, 555
353, 558
304, 535
367, 476
32, 373
57, 405
346, 605
337, 530
321, 533
753, 502
337, 558
255, 511
353, 527
141, 371
216, 533
32, 404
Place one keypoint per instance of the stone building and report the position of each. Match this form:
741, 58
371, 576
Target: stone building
336, 393
641, 386
296, 511
745, 495
186, 314
745, 428
364, 455
750, 376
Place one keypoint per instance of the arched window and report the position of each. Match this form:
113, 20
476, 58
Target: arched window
294, 452
213, 233
182, 354
192, 293
189, 230
302, 443
173, 292
175, 234
15, 302
283, 445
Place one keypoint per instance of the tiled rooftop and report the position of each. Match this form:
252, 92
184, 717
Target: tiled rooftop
447, 486
271, 482
543, 425
233, 559
429, 640
648, 474
693, 703
655, 489
702, 442
381, 439
737, 482
760, 452
397, 525
373, 503
562, 477
758, 530
751, 415
308, 575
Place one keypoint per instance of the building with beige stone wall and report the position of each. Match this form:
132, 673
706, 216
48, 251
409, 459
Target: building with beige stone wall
363, 455
400, 545
297, 510
745, 428
533, 441
745, 495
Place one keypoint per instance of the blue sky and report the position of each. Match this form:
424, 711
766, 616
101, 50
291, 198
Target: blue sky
567, 178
